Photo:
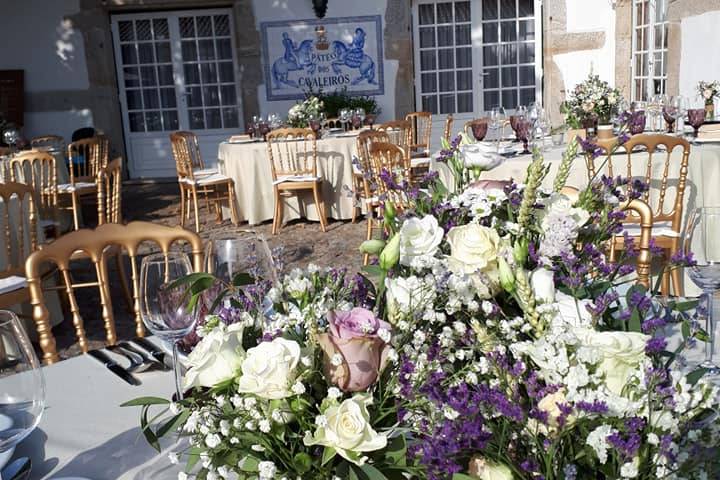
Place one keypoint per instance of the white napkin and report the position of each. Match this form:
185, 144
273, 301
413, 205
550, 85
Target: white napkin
12, 283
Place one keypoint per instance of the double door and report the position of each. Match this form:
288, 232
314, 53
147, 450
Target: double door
473, 55
176, 71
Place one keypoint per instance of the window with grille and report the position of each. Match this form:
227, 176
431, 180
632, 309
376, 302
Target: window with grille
649, 48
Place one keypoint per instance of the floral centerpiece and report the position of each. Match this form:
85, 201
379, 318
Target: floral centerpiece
300, 114
709, 91
590, 103
493, 339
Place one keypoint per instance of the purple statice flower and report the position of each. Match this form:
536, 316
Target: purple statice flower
653, 323
389, 180
595, 407
682, 259
590, 148
655, 345
627, 447
570, 472
602, 303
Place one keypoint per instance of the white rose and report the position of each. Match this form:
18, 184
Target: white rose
571, 311
473, 248
562, 205
621, 354
419, 238
270, 369
348, 430
405, 296
475, 156
542, 281
216, 358
487, 470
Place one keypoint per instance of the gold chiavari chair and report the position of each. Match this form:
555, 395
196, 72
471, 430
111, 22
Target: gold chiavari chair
109, 183
363, 189
420, 131
94, 244
398, 131
664, 197
38, 169
51, 143
193, 148
334, 123
19, 224
645, 217
293, 162
447, 132
85, 158
221, 187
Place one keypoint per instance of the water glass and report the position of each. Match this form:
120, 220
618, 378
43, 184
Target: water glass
247, 253
701, 239
163, 307
22, 396
696, 117
497, 121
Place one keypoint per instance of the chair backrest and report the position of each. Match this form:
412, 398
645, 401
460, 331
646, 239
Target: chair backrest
193, 148
665, 194
38, 169
420, 130
181, 149
94, 243
109, 191
447, 132
85, 157
389, 164
399, 133
467, 128
18, 215
292, 151
52, 143
364, 141
82, 134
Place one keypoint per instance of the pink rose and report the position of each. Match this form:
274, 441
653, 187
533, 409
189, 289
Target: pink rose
353, 339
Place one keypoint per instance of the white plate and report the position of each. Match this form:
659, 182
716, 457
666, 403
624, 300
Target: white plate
5, 423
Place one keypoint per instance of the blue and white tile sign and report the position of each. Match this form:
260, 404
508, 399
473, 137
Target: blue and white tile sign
326, 54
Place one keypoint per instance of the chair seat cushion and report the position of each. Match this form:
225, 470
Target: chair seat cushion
296, 178
419, 161
659, 229
12, 283
215, 178
203, 172
70, 187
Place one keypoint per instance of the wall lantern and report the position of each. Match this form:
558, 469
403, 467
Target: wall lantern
320, 7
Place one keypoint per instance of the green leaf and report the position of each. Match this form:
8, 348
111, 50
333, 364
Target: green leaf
461, 476
202, 284
242, 279
685, 327
173, 424
249, 464
372, 270
142, 401
150, 436
635, 324
352, 474
218, 299
302, 462
695, 376
396, 451
686, 305
193, 458
372, 473
328, 454
189, 279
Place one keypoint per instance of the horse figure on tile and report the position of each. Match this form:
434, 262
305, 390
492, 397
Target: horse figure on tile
294, 59
354, 57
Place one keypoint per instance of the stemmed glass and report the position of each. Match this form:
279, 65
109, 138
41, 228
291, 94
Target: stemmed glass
360, 116
22, 398
479, 129
670, 114
163, 307
523, 133
315, 124
11, 137
323, 121
497, 121
344, 116
228, 256
696, 117
701, 239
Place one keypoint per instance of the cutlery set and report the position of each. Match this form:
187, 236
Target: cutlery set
142, 354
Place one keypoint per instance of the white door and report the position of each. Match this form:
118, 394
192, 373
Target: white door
473, 55
176, 71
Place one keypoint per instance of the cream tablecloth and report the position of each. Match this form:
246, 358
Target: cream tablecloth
702, 188
247, 163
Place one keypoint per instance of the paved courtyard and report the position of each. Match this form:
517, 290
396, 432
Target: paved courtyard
301, 243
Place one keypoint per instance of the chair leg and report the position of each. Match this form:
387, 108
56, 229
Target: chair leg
75, 207
320, 204
232, 201
197, 210
124, 281
182, 207
277, 212
665, 283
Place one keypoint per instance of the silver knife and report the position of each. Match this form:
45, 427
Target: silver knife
113, 366
157, 352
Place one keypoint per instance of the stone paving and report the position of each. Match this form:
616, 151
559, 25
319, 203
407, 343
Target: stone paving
302, 243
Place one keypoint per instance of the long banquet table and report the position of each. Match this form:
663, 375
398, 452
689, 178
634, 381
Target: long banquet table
248, 165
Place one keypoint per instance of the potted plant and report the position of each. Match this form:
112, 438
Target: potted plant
708, 91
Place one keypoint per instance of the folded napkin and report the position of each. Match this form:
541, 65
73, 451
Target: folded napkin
12, 283
709, 131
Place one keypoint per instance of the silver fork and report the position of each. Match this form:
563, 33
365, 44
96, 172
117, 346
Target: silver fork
137, 364
151, 361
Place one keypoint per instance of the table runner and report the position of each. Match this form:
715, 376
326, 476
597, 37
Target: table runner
248, 165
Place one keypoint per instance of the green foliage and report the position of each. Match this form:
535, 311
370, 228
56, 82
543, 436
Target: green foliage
339, 99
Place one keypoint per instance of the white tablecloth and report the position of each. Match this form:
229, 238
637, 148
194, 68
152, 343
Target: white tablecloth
702, 188
248, 164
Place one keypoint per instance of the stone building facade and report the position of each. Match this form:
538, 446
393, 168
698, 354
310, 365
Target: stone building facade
74, 75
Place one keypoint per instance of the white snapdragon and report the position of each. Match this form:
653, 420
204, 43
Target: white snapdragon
597, 440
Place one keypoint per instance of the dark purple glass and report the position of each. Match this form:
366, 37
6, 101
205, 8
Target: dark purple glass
315, 126
263, 129
251, 130
370, 119
356, 122
523, 133
670, 115
636, 125
479, 129
513, 124
696, 117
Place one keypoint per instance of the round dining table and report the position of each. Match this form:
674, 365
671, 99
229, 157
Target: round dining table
247, 163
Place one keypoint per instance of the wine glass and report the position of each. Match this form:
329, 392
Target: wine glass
11, 137
226, 257
163, 306
670, 114
497, 121
523, 133
22, 397
681, 104
479, 129
700, 238
315, 124
696, 117
344, 116
360, 115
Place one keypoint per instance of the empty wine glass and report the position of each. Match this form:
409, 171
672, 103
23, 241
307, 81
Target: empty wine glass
360, 115
163, 307
701, 239
497, 121
344, 116
670, 114
523, 133
315, 124
696, 117
227, 257
479, 129
22, 397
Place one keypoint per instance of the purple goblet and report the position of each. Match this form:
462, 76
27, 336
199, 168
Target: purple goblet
696, 117
370, 120
479, 129
263, 129
315, 126
636, 124
670, 115
513, 124
523, 133
356, 122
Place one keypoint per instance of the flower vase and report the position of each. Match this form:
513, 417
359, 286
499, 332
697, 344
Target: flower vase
605, 131
710, 109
